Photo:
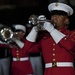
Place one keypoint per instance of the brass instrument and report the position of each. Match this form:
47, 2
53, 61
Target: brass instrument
33, 19
38, 20
6, 34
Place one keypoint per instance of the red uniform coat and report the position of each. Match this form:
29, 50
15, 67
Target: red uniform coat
20, 67
52, 52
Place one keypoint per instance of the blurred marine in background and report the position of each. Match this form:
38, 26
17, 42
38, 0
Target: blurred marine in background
5, 55
20, 58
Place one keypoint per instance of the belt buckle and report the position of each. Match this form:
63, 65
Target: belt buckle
54, 64
18, 59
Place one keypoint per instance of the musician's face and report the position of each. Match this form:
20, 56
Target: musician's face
59, 20
20, 34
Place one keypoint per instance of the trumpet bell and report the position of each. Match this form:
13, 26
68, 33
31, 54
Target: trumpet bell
6, 34
33, 19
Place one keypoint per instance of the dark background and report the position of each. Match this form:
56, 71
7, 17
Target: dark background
18, 11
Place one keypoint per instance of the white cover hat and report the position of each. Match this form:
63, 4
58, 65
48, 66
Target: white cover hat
60, 6
20, 27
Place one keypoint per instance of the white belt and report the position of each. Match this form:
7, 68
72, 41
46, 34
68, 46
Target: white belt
20, 59
59, 64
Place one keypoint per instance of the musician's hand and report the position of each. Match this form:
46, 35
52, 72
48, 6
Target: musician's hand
42, 17
13, 39
48, 26
33, 34
35, 28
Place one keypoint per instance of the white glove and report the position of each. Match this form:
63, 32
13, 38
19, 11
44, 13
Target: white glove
48, 26
18, 42
41, 17
2, 42
56, 35
33, 34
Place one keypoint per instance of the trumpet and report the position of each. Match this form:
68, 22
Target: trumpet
6, 34
34, 19
38, 20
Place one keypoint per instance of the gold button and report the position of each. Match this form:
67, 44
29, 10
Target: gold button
53, 49
53, 44
17, 51
53, 59
65, 38
53, 54
17, 54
